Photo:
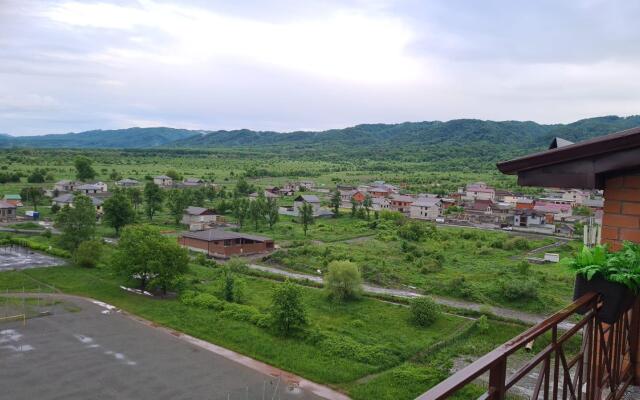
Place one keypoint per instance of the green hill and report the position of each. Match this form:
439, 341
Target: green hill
451, 142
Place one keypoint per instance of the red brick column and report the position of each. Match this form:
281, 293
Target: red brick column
621, 222
621, 219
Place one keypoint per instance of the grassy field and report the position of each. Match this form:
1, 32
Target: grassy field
362, 347
457, 262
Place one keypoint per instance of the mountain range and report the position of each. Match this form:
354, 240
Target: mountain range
430, 140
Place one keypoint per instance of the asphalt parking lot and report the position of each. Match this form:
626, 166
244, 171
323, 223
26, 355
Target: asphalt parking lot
87, 350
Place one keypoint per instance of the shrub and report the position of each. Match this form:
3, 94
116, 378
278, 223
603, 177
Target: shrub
343, 280
88, 254
424, 311
520, 289
235, 264
202, 300
523, 267
483, 324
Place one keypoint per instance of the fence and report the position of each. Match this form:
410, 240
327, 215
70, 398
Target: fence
601, 369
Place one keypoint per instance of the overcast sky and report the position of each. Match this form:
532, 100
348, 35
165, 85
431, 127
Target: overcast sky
304, 64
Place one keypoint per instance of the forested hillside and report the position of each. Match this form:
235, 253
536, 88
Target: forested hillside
451, 144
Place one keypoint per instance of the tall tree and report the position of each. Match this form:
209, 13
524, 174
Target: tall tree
240, 210
118, 211
33, 195
135, 195
84, 170
197, 196
335, 202
77, 223
243, 187
306, 216
145, 255
271, 212
257, 210
177, 201
367, 203
153, 197
354, 207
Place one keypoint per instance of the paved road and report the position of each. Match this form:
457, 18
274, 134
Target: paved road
466, 305
98, 352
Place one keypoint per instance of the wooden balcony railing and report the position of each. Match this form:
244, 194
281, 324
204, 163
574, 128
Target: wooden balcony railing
602, 368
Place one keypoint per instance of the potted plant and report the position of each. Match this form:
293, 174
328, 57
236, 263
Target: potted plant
616, 276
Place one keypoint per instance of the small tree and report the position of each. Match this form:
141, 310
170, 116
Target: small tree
287, 313
33, 195
271, 212
343, 280
242, 188
424, 311
306, 216
84, 170
354, 207
88, 254
153, 197
335, 202
77, 223
118, 211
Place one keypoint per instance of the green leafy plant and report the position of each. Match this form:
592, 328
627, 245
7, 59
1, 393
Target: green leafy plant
622, 267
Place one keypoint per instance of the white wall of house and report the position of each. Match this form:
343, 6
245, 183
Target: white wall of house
422, 212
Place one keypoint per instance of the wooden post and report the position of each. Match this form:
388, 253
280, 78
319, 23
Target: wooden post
497, 378
634, 339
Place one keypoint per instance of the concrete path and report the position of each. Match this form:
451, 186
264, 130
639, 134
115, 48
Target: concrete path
522, 316
101, 352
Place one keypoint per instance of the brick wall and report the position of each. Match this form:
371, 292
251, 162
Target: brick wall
621, 219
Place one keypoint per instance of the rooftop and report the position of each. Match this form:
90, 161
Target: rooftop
219, 234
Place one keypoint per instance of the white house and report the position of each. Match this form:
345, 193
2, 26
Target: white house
92, 188
163, 180
299, 201
65, 185
479, 191
380, 203
127, 182
67, 200
198, 218
528, 218
425, 208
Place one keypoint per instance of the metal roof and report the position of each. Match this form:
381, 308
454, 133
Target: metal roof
219, 234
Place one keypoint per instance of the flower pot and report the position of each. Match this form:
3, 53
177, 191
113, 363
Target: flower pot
616, 298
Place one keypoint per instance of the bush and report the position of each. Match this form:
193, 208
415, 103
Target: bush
523, 267
424, 311
202, 300
483, 324
88, 254
520, 289
343, 280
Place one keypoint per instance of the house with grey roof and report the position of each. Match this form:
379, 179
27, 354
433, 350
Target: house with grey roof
163, 180
427, 208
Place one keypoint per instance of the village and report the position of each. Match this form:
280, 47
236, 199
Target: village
561, 213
